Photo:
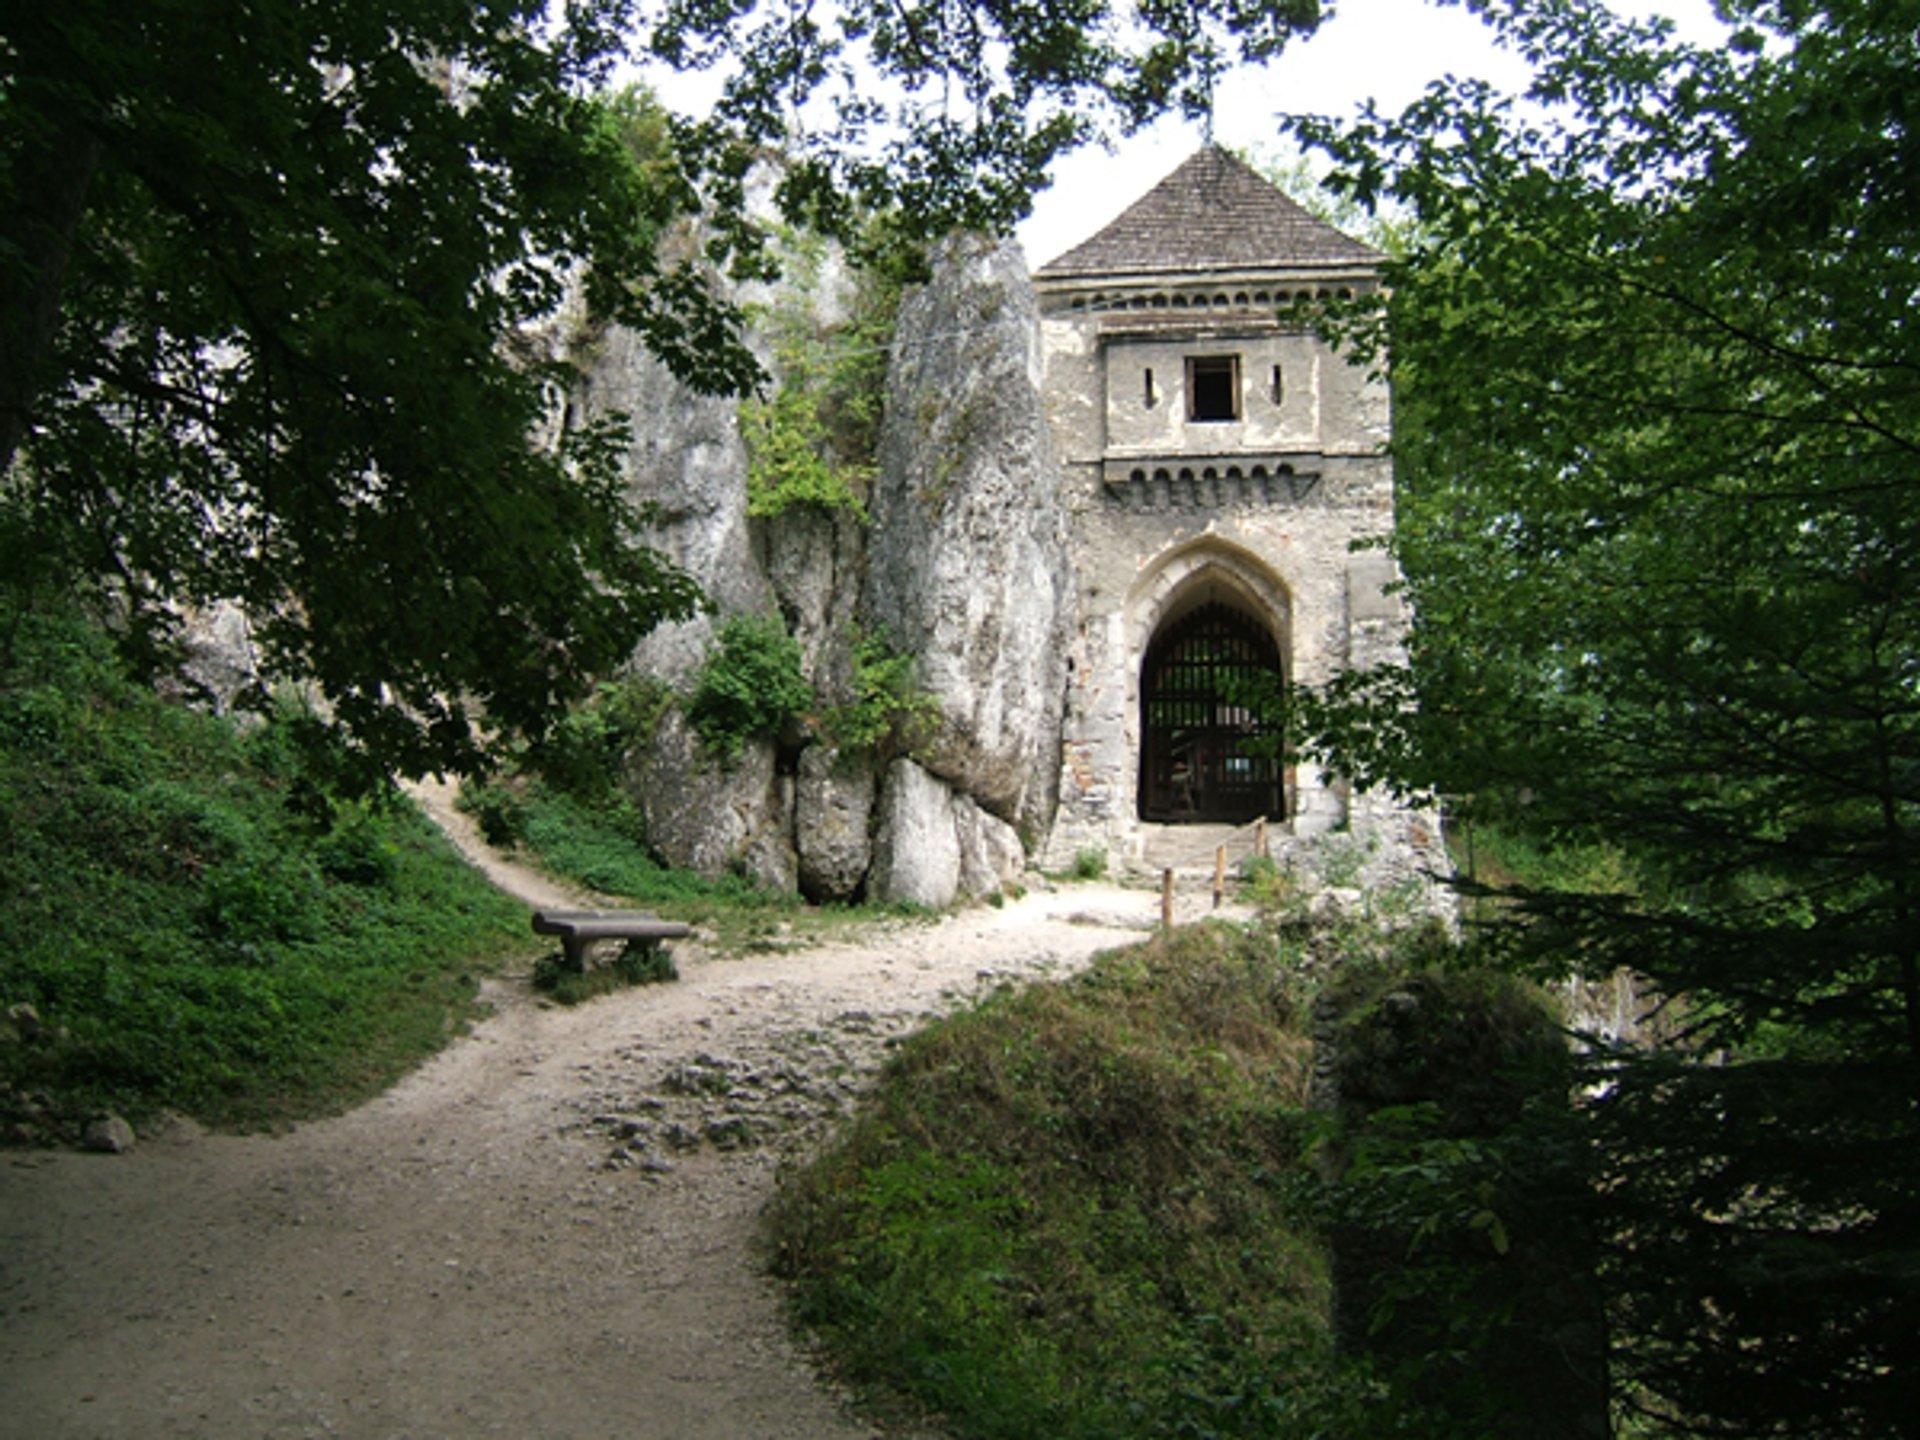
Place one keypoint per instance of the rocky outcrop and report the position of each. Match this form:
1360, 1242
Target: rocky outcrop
962, 566
709, 815
815, 564
688, 466
833, 816
967, 560
932, 846
991, 855
916, 848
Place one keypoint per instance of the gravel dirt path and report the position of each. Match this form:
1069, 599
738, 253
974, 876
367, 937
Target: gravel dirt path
545, 1232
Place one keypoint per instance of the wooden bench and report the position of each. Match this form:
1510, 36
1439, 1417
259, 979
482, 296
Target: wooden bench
579, 929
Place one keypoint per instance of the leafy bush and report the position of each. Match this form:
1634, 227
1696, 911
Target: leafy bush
888, 708
586, 753
751, 686
814, 440
788, 461
497, 809
359, 851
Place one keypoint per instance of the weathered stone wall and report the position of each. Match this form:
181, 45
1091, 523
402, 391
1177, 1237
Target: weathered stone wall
1149, 418
1262, 511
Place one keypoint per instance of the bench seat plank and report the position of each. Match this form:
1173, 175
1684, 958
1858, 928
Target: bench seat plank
578, 929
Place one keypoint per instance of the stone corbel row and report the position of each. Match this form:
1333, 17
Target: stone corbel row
1148, 488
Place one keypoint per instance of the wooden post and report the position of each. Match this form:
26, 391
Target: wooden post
1260, 837
1166, 899
1219, 876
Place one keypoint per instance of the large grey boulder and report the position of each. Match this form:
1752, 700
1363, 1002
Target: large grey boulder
833, 813
916, 848
991, 855
967, 561
704, 814
933, 847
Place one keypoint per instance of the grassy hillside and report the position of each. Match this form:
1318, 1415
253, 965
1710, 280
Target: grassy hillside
185, 937
1104, 1209
1068, 1213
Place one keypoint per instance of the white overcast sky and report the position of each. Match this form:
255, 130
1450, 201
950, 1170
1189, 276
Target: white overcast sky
1385, 50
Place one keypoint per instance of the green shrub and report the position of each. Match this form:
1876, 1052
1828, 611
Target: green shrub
1064, 1212
585, 754
750, 687
1090, 864
497, 809
189, 938
261, 898
888, 709
788, 459
637, 963
814, 440
358, 851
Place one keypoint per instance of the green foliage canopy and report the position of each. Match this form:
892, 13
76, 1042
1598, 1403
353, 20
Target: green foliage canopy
259, 272
266, 274
1657, 378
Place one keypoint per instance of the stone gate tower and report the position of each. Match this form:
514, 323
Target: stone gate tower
1218, 465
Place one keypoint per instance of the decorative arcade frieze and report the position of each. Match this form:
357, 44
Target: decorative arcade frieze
1150, 488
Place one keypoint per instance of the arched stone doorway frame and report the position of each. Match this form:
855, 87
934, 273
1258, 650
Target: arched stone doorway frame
1181, 579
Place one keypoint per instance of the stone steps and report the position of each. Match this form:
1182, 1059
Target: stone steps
1189, 849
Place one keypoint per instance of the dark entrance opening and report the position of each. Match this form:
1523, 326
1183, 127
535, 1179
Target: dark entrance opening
1213, 387
1197, 759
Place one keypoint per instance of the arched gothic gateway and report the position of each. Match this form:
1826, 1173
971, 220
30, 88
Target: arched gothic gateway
1226, 470
1205, 754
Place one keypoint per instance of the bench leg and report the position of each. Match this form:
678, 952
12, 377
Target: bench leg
574, 953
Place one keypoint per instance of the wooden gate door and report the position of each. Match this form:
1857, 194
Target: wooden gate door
1195, 761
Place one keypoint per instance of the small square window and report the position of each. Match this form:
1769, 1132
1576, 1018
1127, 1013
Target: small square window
1213, 387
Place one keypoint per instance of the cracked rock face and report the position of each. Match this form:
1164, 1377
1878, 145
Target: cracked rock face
833, 800
964, 567
968, 558
703, 814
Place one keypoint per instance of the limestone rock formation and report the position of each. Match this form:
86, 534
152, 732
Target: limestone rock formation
689, 465
916, 848
933, 846
991, 855
962, 566
967, 560
709, 815
833, 813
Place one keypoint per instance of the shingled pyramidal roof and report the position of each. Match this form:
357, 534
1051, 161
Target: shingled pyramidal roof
1213, 213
